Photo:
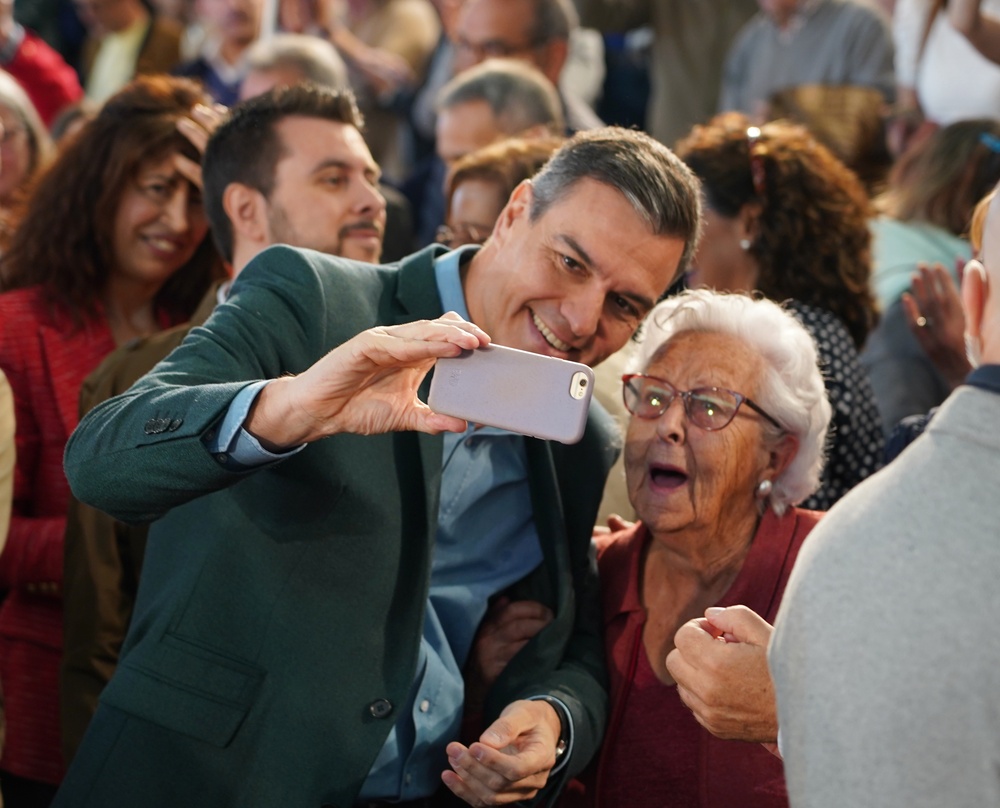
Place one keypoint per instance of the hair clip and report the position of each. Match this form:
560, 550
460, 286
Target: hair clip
991, 142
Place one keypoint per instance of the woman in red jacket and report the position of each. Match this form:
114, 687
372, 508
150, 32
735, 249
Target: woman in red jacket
112, 246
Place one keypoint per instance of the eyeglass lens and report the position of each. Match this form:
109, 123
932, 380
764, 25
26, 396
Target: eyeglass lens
707, 407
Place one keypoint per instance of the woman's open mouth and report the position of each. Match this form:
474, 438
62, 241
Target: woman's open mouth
667, 477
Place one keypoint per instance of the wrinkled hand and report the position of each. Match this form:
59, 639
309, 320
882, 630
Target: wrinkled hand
933, 310
504, 631
511, 760
198, 129
368, 385
720, 665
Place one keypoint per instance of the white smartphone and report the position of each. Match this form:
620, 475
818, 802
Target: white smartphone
519, 391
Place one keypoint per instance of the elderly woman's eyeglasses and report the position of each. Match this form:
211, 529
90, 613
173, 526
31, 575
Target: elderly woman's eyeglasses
706, 407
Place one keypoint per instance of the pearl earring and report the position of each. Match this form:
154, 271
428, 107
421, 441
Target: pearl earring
745, 244
764, 489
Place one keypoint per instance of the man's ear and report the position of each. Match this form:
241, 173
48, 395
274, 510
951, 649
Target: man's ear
975, 288
246, 209
517, 207
551, 58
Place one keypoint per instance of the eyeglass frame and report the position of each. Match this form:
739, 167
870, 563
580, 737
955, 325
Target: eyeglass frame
448, 235
498, 49
686, 396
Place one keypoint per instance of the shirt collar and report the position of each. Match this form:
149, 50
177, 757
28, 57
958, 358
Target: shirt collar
447, 271
449, 279
985, 377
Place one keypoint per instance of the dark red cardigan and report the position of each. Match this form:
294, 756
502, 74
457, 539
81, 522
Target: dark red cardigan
727, 769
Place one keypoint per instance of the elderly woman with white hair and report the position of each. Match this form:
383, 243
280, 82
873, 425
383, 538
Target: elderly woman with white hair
729, 415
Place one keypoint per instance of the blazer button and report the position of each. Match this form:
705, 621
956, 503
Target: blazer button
151, 427
175, 424
380, 708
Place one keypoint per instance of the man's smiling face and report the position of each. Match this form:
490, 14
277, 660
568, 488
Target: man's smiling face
576, 282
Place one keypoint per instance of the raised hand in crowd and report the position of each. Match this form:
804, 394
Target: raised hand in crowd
197, 128
933, 309
983, 32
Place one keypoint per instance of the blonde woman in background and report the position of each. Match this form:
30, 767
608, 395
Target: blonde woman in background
25, 145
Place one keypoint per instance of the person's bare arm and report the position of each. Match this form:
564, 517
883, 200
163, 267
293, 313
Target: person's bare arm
982, 31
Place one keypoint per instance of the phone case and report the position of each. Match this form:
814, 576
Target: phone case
516, 390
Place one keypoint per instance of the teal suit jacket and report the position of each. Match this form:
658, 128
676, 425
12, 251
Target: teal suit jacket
280, 611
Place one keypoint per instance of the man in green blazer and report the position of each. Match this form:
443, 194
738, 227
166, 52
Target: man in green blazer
322, 554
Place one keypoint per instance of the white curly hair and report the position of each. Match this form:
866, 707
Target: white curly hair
792, 389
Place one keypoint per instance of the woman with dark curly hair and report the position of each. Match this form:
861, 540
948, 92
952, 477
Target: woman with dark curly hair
111, 247
784, 217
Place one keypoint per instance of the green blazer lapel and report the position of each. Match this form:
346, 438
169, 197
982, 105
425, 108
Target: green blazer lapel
550, 518
417, 295
417, 298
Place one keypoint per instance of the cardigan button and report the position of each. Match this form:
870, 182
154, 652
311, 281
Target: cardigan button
380, 708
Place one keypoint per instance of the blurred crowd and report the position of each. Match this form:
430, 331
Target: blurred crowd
150, 149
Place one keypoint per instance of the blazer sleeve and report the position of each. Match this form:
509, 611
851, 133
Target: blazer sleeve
140, 454
566, 659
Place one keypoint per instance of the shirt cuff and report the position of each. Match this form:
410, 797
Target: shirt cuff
232, 445
566, 720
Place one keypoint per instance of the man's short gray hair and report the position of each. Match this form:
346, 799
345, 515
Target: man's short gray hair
519, 96
315, 59
791, 389
656, 183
